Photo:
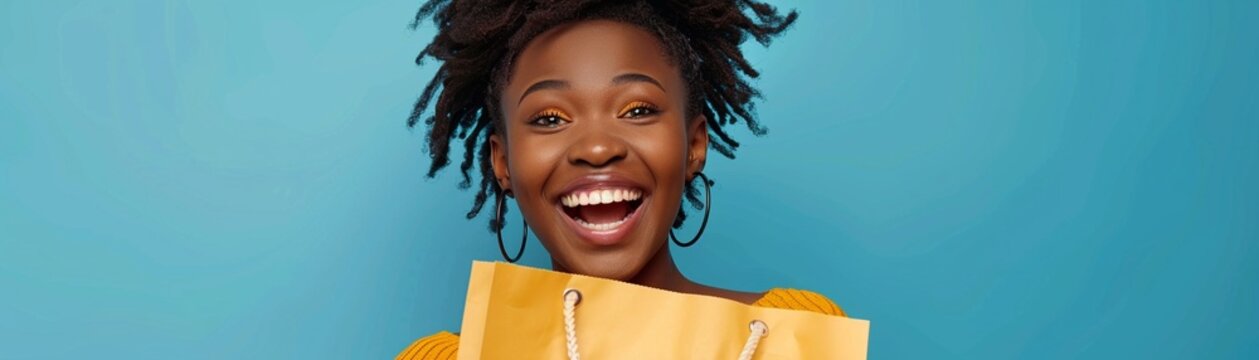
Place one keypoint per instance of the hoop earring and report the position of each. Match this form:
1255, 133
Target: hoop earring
498, 220
708, 207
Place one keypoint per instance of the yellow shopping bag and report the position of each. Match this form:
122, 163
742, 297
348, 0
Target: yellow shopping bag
517, 312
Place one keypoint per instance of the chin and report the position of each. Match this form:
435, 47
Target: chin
620, 265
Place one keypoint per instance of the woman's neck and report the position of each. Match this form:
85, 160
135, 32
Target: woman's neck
662, 272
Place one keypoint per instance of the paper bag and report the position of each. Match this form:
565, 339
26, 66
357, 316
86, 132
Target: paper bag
517, 312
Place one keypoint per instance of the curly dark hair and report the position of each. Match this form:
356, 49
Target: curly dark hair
477, 42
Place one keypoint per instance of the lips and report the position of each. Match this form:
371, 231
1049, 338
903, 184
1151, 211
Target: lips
602, 208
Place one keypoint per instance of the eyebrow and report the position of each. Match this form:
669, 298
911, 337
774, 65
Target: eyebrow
544, 85
636, 77
552, 84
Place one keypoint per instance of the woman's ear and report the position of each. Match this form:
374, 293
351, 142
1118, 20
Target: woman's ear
697, 145
498, 160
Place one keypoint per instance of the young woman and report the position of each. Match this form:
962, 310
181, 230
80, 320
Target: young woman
596, 117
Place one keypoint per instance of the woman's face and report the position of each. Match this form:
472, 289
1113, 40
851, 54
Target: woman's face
598, 146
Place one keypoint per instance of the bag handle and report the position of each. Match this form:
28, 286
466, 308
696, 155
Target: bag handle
572, 297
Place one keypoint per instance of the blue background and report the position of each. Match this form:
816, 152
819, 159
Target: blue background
981, 179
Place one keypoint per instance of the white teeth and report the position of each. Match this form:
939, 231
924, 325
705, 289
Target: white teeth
600, 227
600, 196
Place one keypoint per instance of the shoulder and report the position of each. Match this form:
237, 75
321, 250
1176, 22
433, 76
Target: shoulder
439, 346
795, 299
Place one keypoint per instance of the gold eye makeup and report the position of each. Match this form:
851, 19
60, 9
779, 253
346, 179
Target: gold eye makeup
636, 109
549, 118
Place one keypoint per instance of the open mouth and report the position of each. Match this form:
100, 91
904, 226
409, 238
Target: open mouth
603, 209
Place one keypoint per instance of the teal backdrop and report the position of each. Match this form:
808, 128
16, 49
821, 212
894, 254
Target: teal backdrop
981, 179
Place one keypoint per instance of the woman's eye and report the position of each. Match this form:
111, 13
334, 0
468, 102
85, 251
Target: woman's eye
548, 121
639, 111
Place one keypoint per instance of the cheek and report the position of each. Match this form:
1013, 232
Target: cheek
530, 162
663, 148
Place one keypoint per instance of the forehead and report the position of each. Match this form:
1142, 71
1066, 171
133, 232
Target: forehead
591, 51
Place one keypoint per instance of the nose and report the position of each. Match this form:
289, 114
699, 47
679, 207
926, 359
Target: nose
598, 147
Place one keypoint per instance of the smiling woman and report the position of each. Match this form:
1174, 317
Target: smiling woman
596, 117
616, 123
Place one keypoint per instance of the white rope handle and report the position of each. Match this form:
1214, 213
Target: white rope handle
572, 297
759, 330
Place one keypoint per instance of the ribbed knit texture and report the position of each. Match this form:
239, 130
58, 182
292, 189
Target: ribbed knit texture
444, 345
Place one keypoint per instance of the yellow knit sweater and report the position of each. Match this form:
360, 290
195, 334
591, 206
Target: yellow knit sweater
444, 345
